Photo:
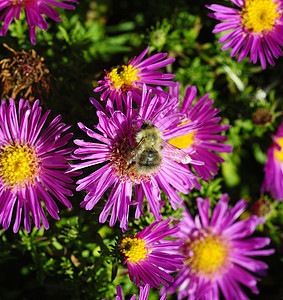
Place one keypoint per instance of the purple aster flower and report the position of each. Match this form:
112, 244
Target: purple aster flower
143, 295
218, 252
34, 11
147, 255
255, 29
273, 179
134, 152
202, 143
32, 165
132, 76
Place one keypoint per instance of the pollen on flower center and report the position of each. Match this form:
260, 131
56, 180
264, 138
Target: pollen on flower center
183, 141
259, 15
123, 77
206, 255
18, 165
279, 153
133, 249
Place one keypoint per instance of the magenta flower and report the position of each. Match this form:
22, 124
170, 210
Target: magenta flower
273, 179
132, 76
218, 252
135, 157
202, 143
255, 29
143, 295
34, 11
32, 165
147, 255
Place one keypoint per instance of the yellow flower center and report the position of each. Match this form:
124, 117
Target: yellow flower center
207, 257
123, 77
260, 15
279, 153
18, 165
183, 141
133, 249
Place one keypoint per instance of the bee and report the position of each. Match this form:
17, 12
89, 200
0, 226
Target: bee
120, 69
147, 155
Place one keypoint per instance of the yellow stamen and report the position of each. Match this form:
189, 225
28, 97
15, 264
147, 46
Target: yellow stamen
183, 141
208, 255
133, 249
279, 153
260, 15
123, 76
18, 165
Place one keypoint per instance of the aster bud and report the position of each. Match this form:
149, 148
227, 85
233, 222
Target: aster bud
261, 208
262, 116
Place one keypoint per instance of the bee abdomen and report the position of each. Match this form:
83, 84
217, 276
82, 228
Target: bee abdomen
150, 158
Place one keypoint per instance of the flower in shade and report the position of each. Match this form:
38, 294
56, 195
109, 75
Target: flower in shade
34, 11
255, 29
203, 143
132, 76
147, 255
273, 178
33, 162
130, 160
218, 252
143, 295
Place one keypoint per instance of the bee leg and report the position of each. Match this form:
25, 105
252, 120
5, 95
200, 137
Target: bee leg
131, 165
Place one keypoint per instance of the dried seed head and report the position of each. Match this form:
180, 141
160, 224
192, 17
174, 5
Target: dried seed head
23, 74
263, 116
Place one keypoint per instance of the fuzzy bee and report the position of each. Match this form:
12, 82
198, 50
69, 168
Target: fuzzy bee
147, 155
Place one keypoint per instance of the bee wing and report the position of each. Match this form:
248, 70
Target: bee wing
176, 153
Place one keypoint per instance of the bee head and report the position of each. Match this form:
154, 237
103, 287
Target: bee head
147, 124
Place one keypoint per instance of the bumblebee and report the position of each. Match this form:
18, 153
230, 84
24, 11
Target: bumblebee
147, 155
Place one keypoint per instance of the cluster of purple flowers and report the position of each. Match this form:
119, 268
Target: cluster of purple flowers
144, 142
148, 141
255, 28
